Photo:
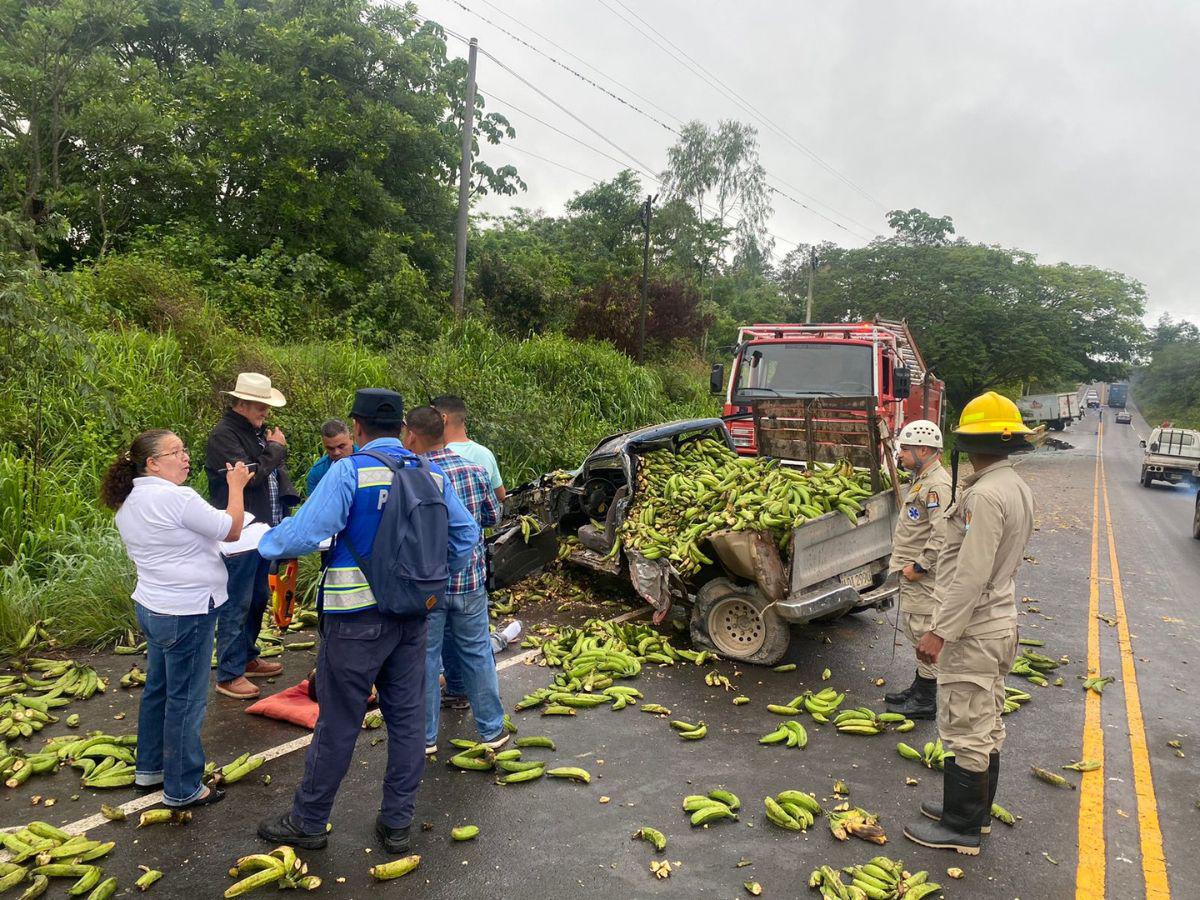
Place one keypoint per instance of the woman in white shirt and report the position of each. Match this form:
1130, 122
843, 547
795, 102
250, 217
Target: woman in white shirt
172, 534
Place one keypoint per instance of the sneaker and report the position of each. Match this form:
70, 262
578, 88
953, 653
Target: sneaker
431, 750
260, 668
512, 631
238, 689
455, 701
395, 840
497, 742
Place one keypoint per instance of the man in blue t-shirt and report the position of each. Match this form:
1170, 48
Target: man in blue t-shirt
454, 414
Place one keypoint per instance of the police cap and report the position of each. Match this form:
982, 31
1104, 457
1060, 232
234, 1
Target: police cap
378, 405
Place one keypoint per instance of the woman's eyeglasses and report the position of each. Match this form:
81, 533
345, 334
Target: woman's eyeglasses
181, 450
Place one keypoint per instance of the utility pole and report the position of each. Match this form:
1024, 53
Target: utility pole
812, 271
464, 187
647, 209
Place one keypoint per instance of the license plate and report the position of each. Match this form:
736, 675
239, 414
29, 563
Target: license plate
858, 579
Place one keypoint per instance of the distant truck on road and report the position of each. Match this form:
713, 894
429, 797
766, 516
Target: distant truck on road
1056, 411
1118, 395
1172, 455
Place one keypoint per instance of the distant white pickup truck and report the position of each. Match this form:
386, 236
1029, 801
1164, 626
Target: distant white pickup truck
1172, 455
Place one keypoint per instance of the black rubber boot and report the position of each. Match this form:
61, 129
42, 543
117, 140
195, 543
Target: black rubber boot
964, 800
921, 703
934, 810
901, 696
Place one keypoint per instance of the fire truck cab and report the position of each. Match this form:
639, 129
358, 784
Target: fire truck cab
856, 359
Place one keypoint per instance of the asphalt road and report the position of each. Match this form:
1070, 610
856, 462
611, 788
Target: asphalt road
1127, 831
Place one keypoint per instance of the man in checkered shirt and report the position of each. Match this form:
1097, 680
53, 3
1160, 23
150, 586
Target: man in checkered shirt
462, 620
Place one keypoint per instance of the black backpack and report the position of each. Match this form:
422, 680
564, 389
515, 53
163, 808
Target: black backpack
407, 568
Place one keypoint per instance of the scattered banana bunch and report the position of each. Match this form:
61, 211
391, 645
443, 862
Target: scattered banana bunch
106, 760
933, 757
1014, 699
716, 679
22, 714
16, 770
40, 852
688, 731
36, 637
1097, 684
792, 810
683, 498
235, 771
530, 525
862, 720
135, 677
593, 657
281, 868
880, 879
851, 821
164, 816
1032, 665
820, 705
791, 734
704, 809
130, 645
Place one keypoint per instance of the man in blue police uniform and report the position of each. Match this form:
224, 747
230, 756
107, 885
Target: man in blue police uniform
362, 646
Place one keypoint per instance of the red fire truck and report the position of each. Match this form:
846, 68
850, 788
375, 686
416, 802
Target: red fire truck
857, 359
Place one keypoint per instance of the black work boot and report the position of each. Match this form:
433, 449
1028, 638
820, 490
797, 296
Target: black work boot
897, 697
934, 810
964, 800
921, 703
286, 830
394, 840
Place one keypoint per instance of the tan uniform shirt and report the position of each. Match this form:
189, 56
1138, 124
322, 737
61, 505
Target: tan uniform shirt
920, 533
987, 530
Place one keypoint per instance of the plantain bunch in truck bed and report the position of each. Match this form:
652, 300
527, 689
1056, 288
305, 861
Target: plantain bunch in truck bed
683, 498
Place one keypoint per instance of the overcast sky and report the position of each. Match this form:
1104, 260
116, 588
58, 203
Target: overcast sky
1070, 129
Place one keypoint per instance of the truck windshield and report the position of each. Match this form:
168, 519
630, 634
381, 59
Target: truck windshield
803, 370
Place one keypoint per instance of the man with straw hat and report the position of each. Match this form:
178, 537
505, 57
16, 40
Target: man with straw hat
242, 435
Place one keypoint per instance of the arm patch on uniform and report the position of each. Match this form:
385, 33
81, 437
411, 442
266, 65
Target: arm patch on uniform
931, 501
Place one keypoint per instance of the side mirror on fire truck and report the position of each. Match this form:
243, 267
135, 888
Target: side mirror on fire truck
902, 382
716, 378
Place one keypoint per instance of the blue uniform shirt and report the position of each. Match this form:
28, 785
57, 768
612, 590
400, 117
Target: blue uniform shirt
328, 509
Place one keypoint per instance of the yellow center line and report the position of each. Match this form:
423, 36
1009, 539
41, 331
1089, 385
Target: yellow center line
1154, 864
1090, 872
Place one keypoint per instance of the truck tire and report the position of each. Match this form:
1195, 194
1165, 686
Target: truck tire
1144, 479
737, 622
1196, 520
1058, 425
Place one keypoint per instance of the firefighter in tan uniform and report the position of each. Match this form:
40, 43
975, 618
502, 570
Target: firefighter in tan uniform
974, 636
920, 531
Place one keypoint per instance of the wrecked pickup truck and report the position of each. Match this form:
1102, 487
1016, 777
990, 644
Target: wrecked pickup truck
742, 599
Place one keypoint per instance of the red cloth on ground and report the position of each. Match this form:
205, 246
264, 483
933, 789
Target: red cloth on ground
289, 705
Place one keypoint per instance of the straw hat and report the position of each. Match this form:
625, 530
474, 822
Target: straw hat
256, 388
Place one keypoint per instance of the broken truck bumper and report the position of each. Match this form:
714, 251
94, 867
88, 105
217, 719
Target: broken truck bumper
814, 604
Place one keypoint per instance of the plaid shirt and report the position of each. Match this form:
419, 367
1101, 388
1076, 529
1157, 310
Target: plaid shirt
474, 488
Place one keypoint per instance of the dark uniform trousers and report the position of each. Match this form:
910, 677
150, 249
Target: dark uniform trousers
358, 650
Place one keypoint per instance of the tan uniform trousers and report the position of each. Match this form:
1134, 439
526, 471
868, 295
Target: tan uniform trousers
916, 616
970, 697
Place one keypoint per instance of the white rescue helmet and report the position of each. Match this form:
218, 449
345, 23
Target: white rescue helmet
921, 433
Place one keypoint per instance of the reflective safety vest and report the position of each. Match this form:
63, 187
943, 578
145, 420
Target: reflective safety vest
344, 587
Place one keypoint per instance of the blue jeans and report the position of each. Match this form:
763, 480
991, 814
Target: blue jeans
360, 650
240, 618
171, 711
461, 622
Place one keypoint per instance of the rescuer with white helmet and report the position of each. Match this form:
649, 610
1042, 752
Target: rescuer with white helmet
920, 530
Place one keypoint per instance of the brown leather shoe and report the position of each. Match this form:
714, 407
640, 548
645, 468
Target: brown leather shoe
238, 689
260, 668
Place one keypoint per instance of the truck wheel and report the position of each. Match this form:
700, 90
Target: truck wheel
1196, 521
738, 623
1059, 425
1145, 479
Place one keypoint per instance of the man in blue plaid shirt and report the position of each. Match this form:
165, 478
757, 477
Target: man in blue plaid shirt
461, 622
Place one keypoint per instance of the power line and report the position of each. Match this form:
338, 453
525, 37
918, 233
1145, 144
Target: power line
564, 66
714, 81
509, 145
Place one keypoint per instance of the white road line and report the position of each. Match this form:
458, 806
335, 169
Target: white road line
148, 800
